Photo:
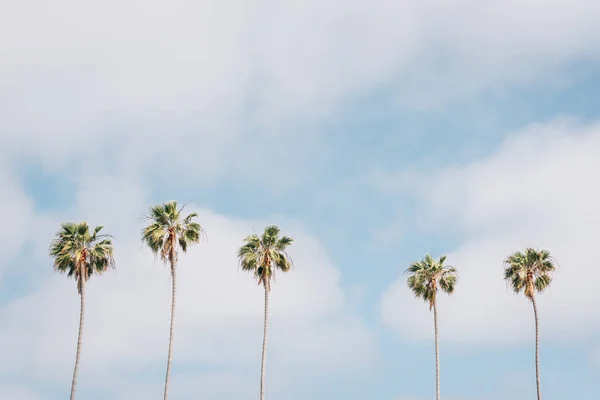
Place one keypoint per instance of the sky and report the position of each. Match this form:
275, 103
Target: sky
371, 132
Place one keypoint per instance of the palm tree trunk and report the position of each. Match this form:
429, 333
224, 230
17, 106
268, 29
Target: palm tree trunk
437, 353
264, 346
537, 350
79, 336
170, 357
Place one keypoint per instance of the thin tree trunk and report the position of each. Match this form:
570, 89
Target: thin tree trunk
437, 353
79, 336
170, 357
537, 350
264, 346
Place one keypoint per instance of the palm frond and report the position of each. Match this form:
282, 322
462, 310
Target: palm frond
427, 275
529, 271
448, 278
283, 243
167, 231
262, 255
79, 254
190, 217
542, 282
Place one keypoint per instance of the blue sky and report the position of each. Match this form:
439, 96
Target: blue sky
372, 133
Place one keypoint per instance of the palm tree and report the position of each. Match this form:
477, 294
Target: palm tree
425, 277
81, 254
262, 256
531, 272
169, 231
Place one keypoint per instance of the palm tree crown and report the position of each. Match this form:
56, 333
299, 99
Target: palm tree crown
169, 229
427, 275
530, 271
81, 254
262, 255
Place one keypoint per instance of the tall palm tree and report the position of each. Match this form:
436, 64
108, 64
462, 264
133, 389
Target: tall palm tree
262, 256
80, 254
425, 278
530, 272
168, 232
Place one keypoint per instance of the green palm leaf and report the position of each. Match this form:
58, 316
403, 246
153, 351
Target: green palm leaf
428, 275
167, 232
263, 255
80, 254
529, 271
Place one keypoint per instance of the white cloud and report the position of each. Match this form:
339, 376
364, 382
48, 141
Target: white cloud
16, 393
217, 78
537, 190
219, 313
18, 209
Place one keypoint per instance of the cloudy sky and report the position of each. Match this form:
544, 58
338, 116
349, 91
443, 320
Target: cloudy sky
372, 132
